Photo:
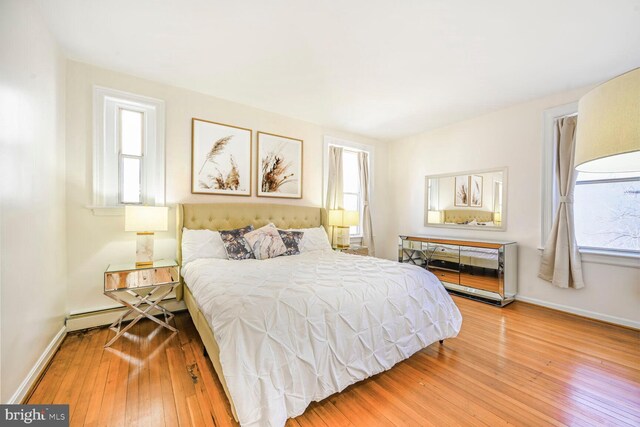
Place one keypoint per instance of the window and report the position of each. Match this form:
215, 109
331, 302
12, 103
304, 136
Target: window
351, 187
607, 211
351, 176
606, 206
128, 149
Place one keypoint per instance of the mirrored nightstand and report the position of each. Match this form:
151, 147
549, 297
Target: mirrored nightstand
147, 285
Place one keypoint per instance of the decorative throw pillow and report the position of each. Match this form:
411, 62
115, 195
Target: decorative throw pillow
265, 242
291, 240
235, 244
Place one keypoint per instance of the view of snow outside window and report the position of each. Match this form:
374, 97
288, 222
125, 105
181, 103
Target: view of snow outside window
607, 211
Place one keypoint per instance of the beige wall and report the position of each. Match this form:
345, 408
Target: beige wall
32, 214
95, 241
511, 137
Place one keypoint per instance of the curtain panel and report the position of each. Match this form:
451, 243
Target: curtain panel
561, 263
367, 228
335, 196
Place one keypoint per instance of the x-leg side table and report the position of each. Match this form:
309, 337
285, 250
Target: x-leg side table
148, 286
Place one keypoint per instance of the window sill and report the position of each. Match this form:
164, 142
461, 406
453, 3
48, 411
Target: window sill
600, 256
106, 210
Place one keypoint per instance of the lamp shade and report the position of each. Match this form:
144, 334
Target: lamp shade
350, 218
342, 218
334, 217
608, 133
145, 218
434, 217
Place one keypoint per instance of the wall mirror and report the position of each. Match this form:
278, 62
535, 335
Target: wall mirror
475, 200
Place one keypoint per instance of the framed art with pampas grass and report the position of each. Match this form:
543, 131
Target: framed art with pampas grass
461, 191
279, 166
220, 159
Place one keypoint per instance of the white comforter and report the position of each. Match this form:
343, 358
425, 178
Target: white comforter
292, 330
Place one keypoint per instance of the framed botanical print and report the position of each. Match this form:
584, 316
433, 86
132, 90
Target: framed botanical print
279, 166
475, 193
220, 159
461, 191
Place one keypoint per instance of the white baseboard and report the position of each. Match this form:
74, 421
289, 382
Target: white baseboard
584, 313
92, 319
38, 368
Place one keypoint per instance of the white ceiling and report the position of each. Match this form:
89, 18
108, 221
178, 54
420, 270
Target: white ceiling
380, 68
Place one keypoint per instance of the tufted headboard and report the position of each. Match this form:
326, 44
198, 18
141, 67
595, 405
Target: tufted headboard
460, 216
226, 216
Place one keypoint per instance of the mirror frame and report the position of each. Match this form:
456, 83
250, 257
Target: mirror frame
505, 187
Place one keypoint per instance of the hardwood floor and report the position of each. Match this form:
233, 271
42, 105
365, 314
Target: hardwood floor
519, 365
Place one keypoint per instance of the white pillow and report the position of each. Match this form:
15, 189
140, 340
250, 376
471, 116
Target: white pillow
265, 242
314, 239
197, 244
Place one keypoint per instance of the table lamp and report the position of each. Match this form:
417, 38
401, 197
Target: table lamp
608, 133
497, 218
145, 220
342, 220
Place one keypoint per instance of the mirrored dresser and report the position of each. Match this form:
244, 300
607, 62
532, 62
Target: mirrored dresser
486, 270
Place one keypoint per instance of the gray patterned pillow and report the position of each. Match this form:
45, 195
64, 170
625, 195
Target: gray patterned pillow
235, 244
292, 241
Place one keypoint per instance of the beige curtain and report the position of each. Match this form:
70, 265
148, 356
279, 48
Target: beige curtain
367, 229
561, 264
335, 197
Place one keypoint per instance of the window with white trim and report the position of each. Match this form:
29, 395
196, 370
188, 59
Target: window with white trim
128, 164
351, 189
606, 205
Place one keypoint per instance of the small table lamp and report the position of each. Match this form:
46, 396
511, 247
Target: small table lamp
608, 133
342, 219
497, 218
145, 220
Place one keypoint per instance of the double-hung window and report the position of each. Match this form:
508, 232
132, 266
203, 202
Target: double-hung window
352, 191
128, 161
606, 206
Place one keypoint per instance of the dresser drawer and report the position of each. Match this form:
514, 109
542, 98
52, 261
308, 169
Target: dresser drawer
446, 276
141, 278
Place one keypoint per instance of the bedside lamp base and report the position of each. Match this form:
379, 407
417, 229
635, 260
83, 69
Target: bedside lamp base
343, 238
144, 249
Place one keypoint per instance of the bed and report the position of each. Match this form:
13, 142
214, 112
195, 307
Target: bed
287, 331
